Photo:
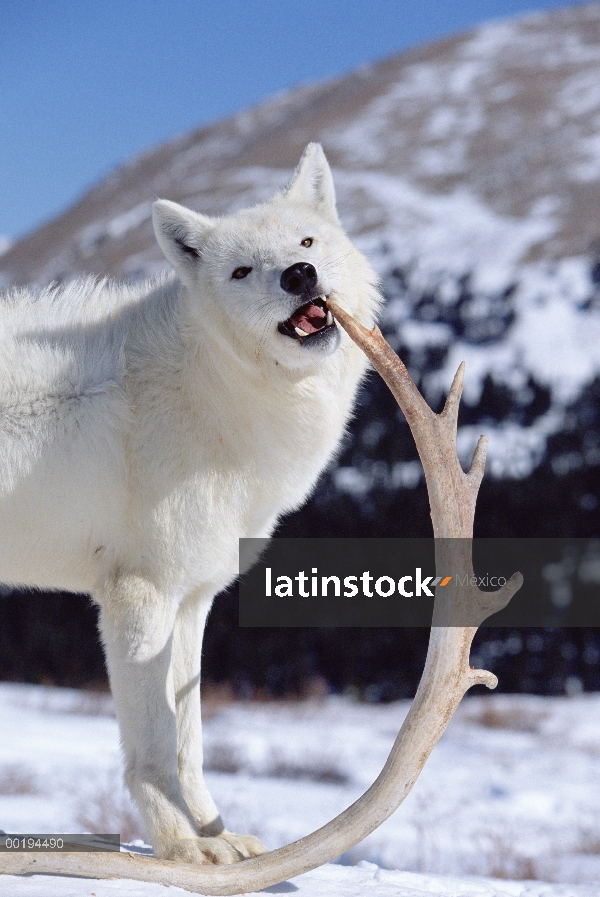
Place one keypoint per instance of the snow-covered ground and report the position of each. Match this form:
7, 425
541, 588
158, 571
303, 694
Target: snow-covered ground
509, 799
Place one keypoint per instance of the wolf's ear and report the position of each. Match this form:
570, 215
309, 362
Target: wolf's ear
312, 182
181, 235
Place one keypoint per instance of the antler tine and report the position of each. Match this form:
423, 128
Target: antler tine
477, 467
446, 676
453, 401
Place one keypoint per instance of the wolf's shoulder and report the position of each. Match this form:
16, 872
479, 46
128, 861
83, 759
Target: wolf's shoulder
73, 338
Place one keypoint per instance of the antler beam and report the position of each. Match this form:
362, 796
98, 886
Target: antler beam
446, 676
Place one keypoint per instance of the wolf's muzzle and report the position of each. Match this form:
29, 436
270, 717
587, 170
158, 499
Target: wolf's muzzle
299, 278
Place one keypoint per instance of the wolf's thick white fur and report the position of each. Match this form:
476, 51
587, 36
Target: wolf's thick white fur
144, 429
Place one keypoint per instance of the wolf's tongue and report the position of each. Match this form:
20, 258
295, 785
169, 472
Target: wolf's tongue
309, 318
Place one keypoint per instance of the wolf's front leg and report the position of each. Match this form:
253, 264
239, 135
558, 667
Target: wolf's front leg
137, 630
187, 648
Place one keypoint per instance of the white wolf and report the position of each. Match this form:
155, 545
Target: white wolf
144, 429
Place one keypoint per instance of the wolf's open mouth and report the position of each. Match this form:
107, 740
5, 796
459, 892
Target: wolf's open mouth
312, 317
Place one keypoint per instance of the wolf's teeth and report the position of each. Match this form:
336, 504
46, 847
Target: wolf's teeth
300, 332
329, 319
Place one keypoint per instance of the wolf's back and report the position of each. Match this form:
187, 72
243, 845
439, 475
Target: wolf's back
62, 418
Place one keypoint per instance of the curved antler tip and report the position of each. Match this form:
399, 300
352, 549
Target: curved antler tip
453, 399
479, 458
459, 379
482, 677
512, 586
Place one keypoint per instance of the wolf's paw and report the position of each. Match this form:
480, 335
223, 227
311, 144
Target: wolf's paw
220, 850
246, 845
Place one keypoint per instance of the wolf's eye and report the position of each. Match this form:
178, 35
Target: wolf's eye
307, 241
239, 273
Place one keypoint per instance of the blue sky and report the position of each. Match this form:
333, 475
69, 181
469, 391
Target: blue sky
86, 84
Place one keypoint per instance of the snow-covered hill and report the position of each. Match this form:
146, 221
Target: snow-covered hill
481, 151
510, 792
469, 171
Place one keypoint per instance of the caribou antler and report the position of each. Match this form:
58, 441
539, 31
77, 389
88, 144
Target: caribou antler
446, 677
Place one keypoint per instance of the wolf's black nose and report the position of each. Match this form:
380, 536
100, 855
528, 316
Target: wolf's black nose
299, 278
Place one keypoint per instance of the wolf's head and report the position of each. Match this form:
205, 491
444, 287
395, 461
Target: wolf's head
260, 278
